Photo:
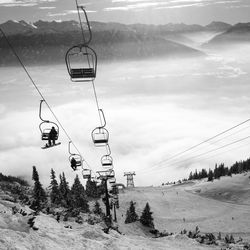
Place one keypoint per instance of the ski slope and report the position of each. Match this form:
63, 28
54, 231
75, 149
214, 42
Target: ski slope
218, 206
192, 201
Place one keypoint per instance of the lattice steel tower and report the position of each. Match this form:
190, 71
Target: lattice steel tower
130, 179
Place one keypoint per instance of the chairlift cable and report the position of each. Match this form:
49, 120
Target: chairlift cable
40, 93
221, 139
196, 156
203, 142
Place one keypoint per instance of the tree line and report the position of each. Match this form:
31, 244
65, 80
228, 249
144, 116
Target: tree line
61, 194
220, 170
13, 179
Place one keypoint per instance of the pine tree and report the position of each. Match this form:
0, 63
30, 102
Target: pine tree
210, 175
78, 197
64, 191
190, 176
91, 189
131, 215
54, 194
38, 194
97, 208
146, 218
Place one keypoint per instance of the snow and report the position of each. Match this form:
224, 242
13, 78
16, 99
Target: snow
170, 204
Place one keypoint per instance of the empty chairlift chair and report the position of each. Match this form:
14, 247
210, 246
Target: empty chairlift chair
107, 161
86, 173
112, 181
100, 135
81, 62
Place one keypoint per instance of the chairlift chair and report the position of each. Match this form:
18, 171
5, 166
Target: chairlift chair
81, 62
77, 157
111, 174
100, 135
45, 127
112, 180
107, 161
86, 173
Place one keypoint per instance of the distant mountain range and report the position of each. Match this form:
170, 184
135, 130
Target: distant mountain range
239, 33
47, 42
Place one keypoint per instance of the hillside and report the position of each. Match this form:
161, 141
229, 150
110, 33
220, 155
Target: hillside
176, 207
16, 234
239, 33
198, 203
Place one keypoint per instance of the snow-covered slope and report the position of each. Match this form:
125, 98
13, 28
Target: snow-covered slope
15, 233
189, 205
174, 208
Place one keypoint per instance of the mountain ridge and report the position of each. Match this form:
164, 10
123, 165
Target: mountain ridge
47, 42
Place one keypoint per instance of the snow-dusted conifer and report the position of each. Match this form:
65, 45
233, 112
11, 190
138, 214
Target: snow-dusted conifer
131, 215
146, 218
78, 197
97, 208
91, 189
38, 194
54, 194
64, 190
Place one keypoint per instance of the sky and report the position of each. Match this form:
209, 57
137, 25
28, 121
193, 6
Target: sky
154, 109
129, 11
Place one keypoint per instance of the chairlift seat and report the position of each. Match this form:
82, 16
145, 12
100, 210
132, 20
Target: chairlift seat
106, 164
100, 141
45, 134
82, 73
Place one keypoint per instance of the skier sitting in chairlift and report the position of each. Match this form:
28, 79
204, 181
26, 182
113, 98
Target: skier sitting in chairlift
52, 136
73, 163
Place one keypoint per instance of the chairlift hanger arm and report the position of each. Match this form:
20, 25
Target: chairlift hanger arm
87, 21
69, 147
40, 112
108, 150
103, 118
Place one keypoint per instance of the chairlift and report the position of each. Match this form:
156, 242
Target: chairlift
74, 159
86, 173
81, 62
100, 135
111, 174
45, 129
107, 160
112, 180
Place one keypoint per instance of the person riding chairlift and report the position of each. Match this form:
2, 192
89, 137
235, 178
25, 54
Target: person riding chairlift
52, 136
73, 163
